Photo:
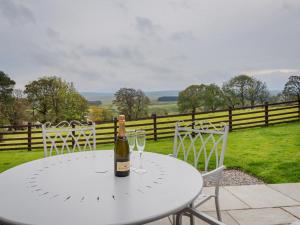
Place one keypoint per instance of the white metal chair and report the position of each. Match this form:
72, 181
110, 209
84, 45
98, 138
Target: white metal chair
203, 144
68, 136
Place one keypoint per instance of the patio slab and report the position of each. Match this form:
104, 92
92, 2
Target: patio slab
261, 196
292, 190
266, 216
252, 205
293, 210
227, 201
226, 218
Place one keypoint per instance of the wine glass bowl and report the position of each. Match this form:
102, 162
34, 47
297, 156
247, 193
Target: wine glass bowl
140, 140
131, 137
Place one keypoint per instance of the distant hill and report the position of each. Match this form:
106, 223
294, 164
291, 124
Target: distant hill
154, 95
168, 99
107, 97
97, 102
98, 96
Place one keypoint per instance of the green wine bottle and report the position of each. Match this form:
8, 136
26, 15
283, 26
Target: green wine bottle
122, 158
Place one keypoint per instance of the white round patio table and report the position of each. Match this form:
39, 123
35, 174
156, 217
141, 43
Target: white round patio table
80, 188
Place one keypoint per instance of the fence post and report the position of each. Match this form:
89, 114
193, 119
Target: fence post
299, 109
115, 120
73, 133
266, 114
193, 118
193, 121
154, 126
1, 135
29, 136
230, 118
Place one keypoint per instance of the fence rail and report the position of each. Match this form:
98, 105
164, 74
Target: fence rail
29, 137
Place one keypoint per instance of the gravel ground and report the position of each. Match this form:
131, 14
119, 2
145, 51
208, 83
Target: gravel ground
237, 177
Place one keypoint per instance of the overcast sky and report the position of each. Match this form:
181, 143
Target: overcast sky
103, 45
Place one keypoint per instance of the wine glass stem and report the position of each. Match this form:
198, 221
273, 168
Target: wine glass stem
141, 160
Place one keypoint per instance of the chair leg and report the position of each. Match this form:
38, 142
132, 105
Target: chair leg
173, 219
192, 219
178, 220
202, 216
218, 208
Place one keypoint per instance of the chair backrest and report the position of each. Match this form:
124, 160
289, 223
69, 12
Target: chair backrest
68, 137
201, 142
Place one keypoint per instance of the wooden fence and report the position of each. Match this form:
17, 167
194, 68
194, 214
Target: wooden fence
29, 137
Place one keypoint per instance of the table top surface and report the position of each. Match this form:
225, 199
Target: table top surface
80, 188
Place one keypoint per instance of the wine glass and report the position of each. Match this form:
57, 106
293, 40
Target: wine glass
140, 143
131, 136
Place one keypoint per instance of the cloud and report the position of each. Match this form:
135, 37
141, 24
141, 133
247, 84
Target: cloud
113, 53
159, 70
122, 5
271, 71
16, 14
180, 4
183, 36
51, 33
145, 25
149, 45
291, 5
50, 59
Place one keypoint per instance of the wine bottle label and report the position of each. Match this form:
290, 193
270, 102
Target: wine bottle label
123, 166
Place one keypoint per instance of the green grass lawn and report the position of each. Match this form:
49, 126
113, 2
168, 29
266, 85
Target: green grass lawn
272, 153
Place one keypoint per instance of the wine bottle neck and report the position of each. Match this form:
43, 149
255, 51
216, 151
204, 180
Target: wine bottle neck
121, 132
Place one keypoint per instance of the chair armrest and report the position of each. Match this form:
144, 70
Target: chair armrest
214, 172
214, 176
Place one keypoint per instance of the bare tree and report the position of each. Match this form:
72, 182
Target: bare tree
257, 92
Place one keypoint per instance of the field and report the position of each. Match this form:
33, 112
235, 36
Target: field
270, 153
165, 125
163, 107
